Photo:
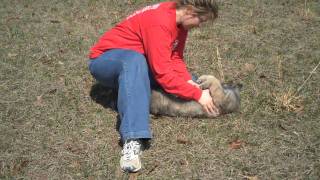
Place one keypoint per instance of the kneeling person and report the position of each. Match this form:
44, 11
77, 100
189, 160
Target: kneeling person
151, 39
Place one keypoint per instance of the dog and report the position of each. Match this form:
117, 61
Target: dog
225, 97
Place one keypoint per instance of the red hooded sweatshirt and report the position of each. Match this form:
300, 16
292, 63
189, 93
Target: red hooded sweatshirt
153, 31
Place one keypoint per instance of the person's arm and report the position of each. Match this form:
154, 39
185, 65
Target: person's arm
178, 59
180, 67
157, 43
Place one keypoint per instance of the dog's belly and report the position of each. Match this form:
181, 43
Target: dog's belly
169, 105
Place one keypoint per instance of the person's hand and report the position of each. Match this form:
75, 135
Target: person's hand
207, 103
193, 84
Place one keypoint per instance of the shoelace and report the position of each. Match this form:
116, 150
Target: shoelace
131, 149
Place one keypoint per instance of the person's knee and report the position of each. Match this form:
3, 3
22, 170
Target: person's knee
140, 66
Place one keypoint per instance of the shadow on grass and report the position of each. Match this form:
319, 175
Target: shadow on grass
107, 97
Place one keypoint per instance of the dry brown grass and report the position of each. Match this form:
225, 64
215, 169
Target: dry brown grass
51, 128
288, 101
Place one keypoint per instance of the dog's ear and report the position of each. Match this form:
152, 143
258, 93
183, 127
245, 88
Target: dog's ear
231, 102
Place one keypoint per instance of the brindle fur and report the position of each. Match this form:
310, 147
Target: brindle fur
225, 97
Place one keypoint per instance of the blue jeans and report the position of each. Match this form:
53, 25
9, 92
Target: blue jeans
128, 72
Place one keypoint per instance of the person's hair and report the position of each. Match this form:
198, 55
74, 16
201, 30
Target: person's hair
200, 7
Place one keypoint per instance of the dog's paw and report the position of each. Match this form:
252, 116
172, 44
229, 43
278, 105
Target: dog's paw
205, 81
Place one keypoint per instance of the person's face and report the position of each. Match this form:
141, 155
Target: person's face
191, 20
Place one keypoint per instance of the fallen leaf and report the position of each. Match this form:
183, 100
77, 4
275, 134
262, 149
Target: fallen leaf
251, 177
254, 30
61, 81
10, 55
39, 102
262, 76
62, 50
52, 91
299, 109
249, 67
236, 144
181, 139
281, 127
184, 162
86, 16
17, 168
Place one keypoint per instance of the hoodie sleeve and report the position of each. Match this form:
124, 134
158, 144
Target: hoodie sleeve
157, 42
177, 56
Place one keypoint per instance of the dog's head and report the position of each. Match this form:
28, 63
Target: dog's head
231, 102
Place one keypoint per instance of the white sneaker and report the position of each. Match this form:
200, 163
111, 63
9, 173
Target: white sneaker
130, 159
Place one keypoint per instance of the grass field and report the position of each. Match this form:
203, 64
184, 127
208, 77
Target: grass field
51, 128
